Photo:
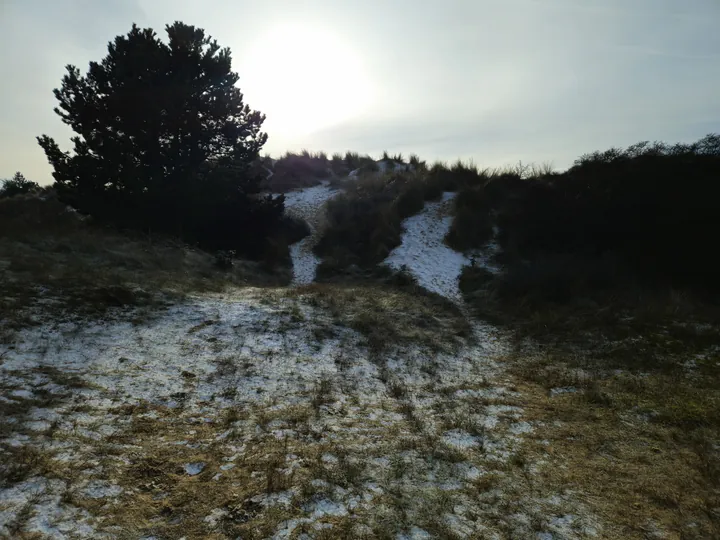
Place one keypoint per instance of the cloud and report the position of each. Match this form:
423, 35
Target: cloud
495, 80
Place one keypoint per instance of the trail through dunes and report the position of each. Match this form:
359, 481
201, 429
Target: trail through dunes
307, 204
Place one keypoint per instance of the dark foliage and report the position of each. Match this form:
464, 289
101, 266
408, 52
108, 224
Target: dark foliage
653, 207
224, 259
297, 171
17, 185
480, 197
353, 161
164, 143
365, 223
472, 226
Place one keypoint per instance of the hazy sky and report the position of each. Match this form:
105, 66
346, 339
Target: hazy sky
492, 80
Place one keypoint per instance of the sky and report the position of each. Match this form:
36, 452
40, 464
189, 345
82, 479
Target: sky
495, 81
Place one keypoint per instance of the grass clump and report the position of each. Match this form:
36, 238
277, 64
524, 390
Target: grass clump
390, 315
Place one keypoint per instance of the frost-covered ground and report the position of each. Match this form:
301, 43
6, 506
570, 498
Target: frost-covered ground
256, 415
265, 413
307, 204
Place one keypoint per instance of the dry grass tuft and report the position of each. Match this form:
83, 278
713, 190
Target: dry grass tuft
630, 414
388, 316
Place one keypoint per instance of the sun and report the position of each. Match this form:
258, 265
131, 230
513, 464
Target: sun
304, 78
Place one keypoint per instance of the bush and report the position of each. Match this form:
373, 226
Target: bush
17, 185
338, 166
410, 200
474, 278
365, 223
472, 226
354, 161
297, 171
558, 279
441, 178
165, 143
416, 163
31, 215
620, 220
655, 207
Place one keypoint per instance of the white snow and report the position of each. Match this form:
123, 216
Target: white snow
307, 204
423, 252
460, 439
326, 507
416, 533
563, 390
97, 489
193, 469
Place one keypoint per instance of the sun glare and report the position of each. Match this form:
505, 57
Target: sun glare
304, 79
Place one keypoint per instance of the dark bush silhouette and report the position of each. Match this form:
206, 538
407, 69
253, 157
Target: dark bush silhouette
654, 206
644, 216
472, 226
353, 161
17, 185
165, 143
297, 171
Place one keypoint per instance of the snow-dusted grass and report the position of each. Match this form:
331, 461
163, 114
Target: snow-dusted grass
260, 414
424, 253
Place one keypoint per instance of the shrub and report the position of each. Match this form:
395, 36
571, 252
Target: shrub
297, 171
474, 278
410, 200
442, 178
475, 205
354, 161
338, 165
416, 163
17, 185
472, 226
558, 278
31, 215
653, 206
645, 216
365, 223
224, 259
165, 143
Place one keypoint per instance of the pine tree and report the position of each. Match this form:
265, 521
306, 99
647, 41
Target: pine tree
164, 140
17, 185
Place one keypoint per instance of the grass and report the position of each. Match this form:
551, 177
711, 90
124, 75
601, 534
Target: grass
49, 255
387, 316
637, 433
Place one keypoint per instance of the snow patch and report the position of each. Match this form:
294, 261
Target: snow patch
460, 439
423, 252
97, 489
193, 469
308, 205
